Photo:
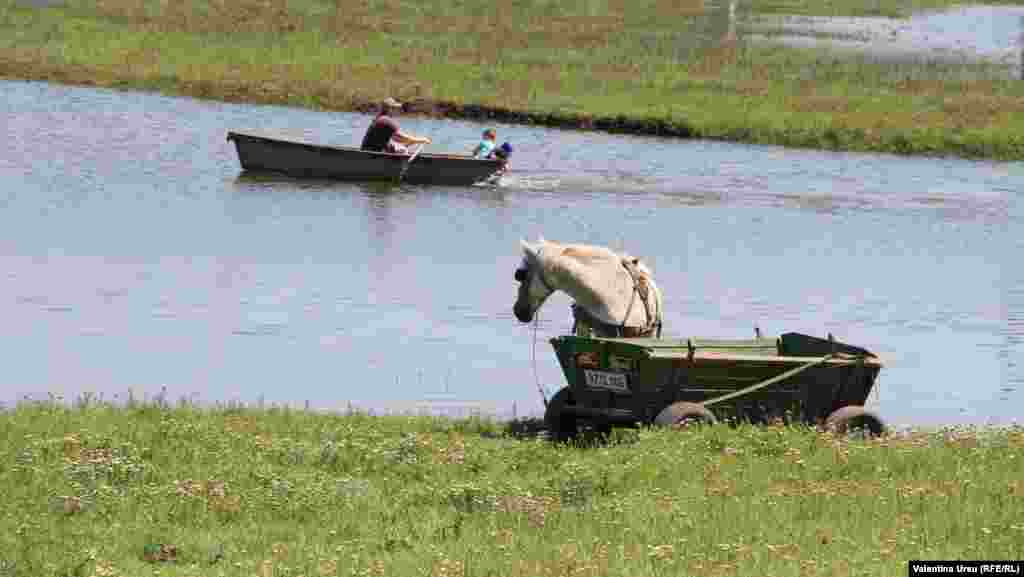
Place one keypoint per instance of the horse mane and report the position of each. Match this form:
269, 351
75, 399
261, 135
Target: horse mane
586, 251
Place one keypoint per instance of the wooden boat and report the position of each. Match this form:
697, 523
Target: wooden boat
261, 153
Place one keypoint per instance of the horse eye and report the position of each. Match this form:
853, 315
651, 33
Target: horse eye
520, 275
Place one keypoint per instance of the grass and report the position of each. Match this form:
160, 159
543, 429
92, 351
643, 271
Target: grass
150, 489
649, 67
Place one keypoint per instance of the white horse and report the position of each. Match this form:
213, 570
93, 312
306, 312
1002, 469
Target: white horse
614, 294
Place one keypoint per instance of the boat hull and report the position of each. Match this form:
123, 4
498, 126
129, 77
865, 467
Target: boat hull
304, 160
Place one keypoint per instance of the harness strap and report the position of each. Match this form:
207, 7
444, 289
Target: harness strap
629, 309
652, 323
649, 323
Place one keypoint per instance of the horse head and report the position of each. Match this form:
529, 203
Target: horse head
533, 286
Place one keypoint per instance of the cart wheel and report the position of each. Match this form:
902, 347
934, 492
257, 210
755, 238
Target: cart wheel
681, 414
853, 418
561, 426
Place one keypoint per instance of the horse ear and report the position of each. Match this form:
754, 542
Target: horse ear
528, 248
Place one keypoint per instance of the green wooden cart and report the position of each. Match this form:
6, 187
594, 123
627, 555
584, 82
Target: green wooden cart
671, 382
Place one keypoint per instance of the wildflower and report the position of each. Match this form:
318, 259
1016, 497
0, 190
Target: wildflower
104, 569
445, 567
159, 552
72, 447
661, 552
327, 568
503, 537
232, 504
72, 504
216, 488
664, 503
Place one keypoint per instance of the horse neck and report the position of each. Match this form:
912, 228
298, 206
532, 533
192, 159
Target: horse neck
603, 289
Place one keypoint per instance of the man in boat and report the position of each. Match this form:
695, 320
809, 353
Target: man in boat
383, 134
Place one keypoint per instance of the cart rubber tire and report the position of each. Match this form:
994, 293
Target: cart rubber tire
854, 416
561, 427
682, 413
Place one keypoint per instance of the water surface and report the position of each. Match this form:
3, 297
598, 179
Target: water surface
959, 35
135, 256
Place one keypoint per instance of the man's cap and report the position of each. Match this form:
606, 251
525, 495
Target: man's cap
391, 103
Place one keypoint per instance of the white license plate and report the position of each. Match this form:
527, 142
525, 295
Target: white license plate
605, 380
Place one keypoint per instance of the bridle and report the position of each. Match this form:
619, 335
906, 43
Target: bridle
525, 275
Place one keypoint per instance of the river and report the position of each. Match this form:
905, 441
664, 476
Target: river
136, 257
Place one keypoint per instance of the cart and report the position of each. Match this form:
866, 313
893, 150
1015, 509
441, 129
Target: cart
674, 382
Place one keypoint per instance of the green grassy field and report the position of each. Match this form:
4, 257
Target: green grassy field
145, 489
608, 64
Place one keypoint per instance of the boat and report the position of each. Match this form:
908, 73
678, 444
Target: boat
301, 159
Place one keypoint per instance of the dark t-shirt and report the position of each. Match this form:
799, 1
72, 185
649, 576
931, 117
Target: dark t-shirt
379, 133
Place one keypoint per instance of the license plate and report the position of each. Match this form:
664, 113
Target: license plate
605, 380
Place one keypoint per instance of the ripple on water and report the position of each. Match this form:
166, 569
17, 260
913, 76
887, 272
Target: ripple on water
259, 330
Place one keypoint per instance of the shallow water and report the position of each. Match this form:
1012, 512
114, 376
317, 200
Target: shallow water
135, 256
961, 34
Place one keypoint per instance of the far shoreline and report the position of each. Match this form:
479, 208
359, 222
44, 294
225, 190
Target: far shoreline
621, 124
670, 70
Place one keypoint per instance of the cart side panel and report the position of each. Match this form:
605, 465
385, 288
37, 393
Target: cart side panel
801, 345
579, 355
711, 378
574, 352
858, 381
823, 389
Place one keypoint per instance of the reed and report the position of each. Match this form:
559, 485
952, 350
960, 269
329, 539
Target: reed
652, 67
149, 488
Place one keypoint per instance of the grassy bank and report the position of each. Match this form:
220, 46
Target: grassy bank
605, 64
152, 490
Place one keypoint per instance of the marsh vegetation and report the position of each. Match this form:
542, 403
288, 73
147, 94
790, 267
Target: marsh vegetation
656, 67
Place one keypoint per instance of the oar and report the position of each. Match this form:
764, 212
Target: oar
412, 157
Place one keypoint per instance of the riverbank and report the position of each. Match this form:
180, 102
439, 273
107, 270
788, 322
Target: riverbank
663, 69
147, 489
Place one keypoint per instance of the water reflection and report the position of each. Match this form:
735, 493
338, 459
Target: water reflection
379, 198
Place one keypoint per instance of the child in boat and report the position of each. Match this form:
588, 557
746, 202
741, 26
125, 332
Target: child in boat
486, 146
502, 153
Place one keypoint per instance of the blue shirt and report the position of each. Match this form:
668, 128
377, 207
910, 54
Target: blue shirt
483, 149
